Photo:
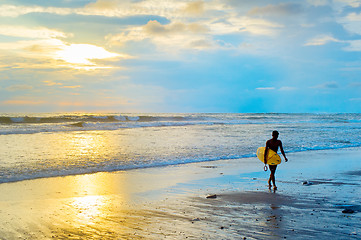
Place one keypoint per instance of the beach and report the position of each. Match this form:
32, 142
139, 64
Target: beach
170, 202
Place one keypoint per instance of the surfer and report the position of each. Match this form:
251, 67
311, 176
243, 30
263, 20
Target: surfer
273, 144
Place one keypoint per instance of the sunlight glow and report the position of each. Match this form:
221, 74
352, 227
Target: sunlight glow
84, 53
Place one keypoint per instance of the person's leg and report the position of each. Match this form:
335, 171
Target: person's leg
272, 176
269, 180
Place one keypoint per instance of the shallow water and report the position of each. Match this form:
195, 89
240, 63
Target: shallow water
46, 145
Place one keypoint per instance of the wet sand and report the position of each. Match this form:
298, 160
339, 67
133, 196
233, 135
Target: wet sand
314, 188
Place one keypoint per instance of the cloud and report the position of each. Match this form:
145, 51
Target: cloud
51, 83
273, 88
254, 26
276, 10
194, 8
352, 3
321, 40
327, 85
15, 11
265, 88
104, 4
351, 22
354, 17
170, 37
318, 2
355, 84
26, 32
122, 8
21, 102
355, 46
55, 53
15, 88
34, 49
155, 28
71, 87
287, 89
84, 54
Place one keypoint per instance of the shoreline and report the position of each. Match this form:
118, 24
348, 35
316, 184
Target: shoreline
165, 165
170, 201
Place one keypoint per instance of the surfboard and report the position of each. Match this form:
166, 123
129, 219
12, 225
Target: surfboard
272, 157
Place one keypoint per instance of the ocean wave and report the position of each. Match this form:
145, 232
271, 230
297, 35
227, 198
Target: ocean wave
29, 124
79, 124
91, 118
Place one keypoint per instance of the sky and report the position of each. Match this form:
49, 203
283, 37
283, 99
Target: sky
147, 56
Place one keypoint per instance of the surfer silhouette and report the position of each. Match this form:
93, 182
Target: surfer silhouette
273, 144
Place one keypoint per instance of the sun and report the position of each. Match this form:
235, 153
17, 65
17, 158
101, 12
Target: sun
82, 54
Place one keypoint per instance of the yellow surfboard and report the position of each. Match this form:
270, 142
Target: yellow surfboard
272, 157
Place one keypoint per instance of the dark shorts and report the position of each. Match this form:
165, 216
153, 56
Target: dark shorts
272, 167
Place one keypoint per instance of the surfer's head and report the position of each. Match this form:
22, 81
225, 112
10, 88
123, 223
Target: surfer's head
275, 134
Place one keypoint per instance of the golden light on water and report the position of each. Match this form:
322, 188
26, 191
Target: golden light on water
88, 144
96, 198
88, 208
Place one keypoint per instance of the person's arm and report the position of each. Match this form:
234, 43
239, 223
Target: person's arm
265, 153
283, 152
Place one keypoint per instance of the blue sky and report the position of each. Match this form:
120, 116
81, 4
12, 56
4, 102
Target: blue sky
180, 56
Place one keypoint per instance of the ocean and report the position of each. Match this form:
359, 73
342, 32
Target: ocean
48, 145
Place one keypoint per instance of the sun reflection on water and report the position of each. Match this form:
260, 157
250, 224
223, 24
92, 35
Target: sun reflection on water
89, 208
87, 143
95, 198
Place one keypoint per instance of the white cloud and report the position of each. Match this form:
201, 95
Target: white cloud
354, 17
318, 2
181, 35
171, 37
237, 24
265, 88
273, 88
321, 40
155, 28
327, 85
38, 48
121, 8
15, 11
55, 53
352, 3
351, 23
355, 46
26, 32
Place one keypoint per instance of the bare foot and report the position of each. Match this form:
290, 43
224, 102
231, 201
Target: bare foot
274, 188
